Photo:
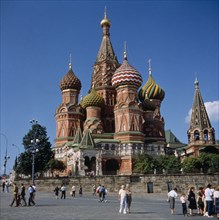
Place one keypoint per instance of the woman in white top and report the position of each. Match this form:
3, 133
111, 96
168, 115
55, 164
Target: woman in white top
209, 200
171, 197
122, 199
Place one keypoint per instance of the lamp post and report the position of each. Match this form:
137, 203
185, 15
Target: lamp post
18, 149
34, 148
6, 158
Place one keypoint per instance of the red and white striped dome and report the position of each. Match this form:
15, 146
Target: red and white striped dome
126, 75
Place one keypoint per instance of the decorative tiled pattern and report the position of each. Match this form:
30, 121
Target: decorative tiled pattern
92, 99
70, 81
126, 75
151, 90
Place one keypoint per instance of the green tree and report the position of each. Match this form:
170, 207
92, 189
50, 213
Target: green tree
42, 155
170, 164
191, 164
209, 162
143, 163
55, 165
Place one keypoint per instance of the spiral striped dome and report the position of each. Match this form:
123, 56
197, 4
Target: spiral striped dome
126, 75
151, 90
70, 81
92, 99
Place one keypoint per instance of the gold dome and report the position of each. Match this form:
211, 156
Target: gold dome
105, 21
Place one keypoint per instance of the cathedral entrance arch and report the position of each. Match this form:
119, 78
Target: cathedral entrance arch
90, 164
111, 167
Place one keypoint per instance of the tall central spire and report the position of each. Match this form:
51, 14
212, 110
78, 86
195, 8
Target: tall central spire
104, 67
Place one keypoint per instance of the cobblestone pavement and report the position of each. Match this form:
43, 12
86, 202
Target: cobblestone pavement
145, 206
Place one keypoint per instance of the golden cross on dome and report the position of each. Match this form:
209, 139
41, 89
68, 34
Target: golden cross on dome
125, 54
105, 12
150, 69
70, 64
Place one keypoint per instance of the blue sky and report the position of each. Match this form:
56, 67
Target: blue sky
180, 37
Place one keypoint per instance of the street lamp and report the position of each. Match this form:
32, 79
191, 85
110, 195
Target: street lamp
18, 149
34, 143
6, 153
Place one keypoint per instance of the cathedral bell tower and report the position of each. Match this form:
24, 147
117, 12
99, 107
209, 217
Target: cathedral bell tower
200, 131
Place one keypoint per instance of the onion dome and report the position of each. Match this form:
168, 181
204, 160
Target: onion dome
70, 81
92, 99
126, 75
105, 21
151, 90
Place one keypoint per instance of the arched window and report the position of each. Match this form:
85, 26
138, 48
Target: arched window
196, 135
206, 135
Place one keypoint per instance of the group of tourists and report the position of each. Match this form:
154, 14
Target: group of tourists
206, 201
102, 192
62, 189
19, 196
5, 186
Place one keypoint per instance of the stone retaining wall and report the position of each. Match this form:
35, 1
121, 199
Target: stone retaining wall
139, 183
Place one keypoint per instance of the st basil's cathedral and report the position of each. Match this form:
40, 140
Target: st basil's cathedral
119, 118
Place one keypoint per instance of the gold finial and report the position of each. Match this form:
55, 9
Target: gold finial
150, 69
196, 80
70, 64
105, 21
105, 12
125, 54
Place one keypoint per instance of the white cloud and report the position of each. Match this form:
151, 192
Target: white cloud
212, 109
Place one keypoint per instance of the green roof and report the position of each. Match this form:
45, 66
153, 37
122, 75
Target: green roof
171, 138
87, 140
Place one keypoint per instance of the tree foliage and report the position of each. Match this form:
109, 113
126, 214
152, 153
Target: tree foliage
145, 163
42, 156
55, 165
207, 162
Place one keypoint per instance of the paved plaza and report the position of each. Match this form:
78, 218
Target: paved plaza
145, 206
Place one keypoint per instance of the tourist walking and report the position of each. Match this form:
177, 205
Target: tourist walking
34, 191
216, 201
183, 200
103, 192
209, 200
99, 192
63, 191
73, 191
23, 193
171, 198
15, 195
30, 200
122, 199
200, 200
80, 191
3, 185
7, 184
56, 190
128, 198
192, 200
